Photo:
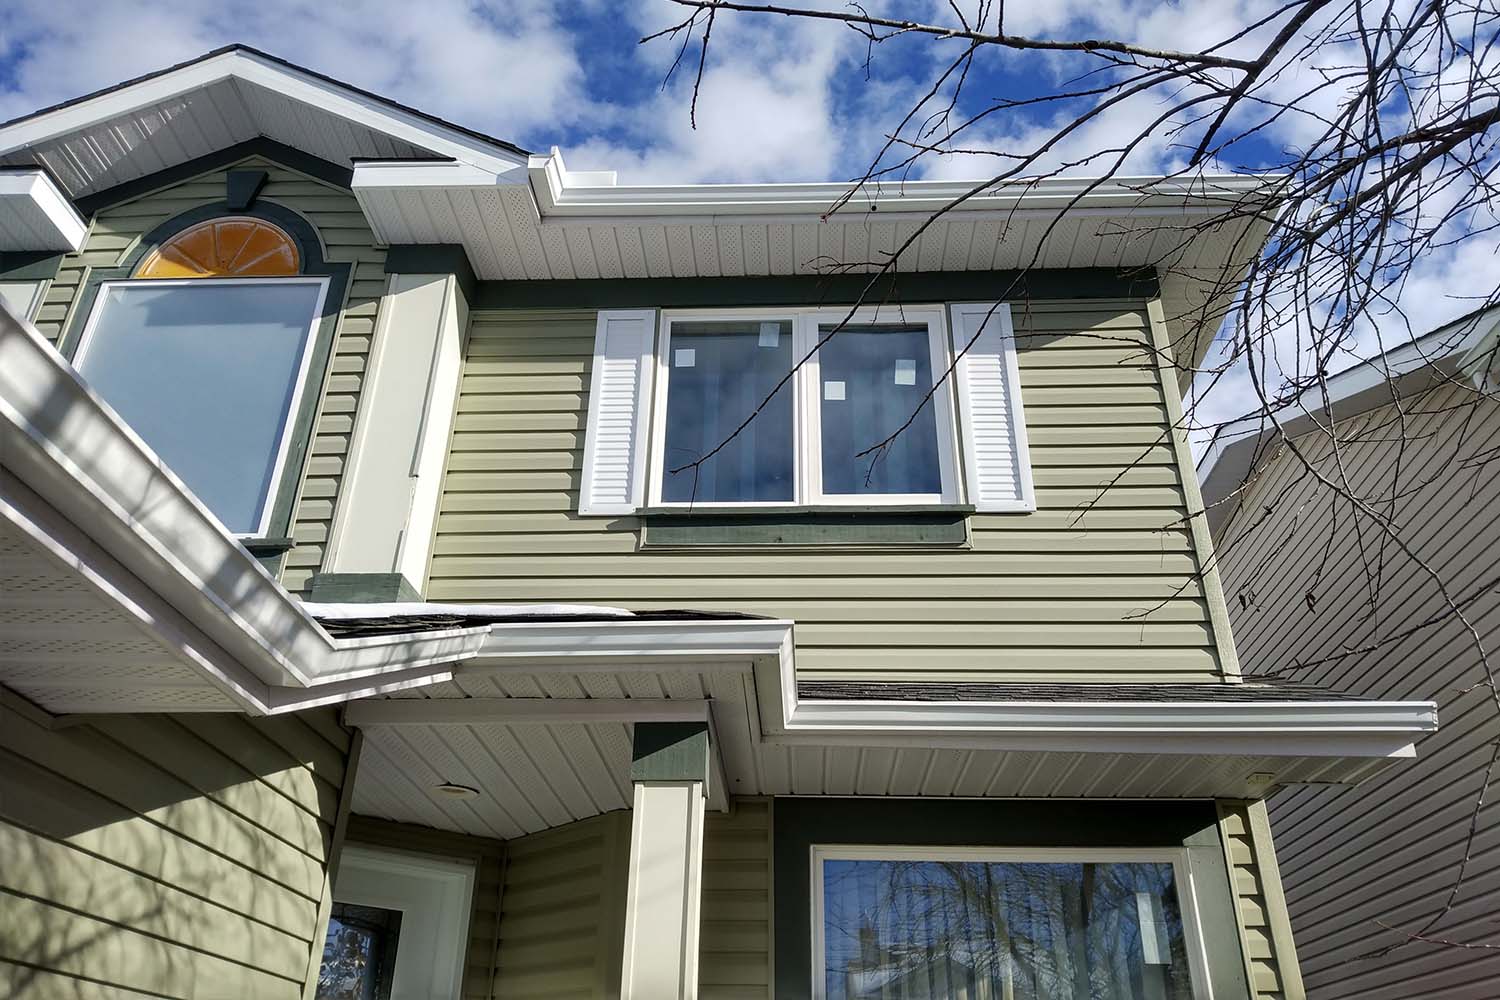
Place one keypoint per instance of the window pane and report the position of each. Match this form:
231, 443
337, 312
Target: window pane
359, 953
205, 374
874, 378
921, 930
718, 373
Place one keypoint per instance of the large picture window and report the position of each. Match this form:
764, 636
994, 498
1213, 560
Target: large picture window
986, 924
209, 373
859, 422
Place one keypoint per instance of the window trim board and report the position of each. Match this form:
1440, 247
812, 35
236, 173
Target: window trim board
299, 389
1195, 944
806, 414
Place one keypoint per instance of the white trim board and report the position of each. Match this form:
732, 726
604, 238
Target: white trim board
37, 215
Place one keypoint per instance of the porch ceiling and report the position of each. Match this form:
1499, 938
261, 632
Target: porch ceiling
518, 733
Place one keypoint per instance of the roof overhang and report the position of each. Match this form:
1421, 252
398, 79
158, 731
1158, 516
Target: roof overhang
1459, 352
35, 215
230, 95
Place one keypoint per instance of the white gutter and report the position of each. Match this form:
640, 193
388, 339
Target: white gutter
63, 444
560, 192
1275, 727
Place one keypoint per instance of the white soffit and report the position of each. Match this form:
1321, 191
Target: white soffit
223, 98
34, 215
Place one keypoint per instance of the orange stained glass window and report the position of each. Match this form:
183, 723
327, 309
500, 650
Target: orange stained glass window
235, 247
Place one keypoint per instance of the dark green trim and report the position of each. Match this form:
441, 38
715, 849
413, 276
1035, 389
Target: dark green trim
313, 265
669, 751
242, 186
434, 258
813, 289
268, 546
37, 265
360, 588
927, 528
287, 156
801, 823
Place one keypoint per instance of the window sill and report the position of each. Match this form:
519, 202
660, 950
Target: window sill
937, 526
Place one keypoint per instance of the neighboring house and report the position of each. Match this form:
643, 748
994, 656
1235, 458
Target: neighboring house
1329, 598
415, 642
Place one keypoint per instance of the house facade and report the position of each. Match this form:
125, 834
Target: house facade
433, 572
1365, 868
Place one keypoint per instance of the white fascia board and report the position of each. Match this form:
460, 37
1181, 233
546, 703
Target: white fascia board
395, 175
559, 194
625, 639
325, 95
62, 442
29, 193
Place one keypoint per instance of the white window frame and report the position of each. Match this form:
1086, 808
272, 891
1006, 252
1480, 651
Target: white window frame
283, 447
806, 388
1176, 856
435, 896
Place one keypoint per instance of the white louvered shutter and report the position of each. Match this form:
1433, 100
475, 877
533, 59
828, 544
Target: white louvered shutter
993, 430
614, 450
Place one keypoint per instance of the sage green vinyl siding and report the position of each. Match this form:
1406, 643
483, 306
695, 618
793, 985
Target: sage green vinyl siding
562, 912
734, 945
1260, 907
1388, 850
488, 858
1092, 586
173, 855
336, 216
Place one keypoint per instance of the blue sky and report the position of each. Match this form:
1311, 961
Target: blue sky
784, 99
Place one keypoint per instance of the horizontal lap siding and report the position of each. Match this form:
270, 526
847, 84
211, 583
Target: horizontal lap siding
562, 911
734, 953
1092, 586
180, 856
1387, 851
337, 217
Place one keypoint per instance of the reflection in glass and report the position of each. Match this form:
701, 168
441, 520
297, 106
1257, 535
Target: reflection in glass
973, 930
205, 373
359, 954
718, 373
874, 379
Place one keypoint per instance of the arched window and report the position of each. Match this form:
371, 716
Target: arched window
234, 247
204, 351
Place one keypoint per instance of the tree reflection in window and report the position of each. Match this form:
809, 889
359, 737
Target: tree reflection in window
359, 954
984, 930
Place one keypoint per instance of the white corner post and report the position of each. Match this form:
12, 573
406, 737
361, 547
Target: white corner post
669, 766
387, 507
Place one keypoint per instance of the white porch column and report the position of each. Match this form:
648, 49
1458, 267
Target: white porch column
669, 766
382, 531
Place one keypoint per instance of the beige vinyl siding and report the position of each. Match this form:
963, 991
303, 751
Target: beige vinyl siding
180, 856
1055, 593
1387, 851
1260, 907
734, 953
346, 236
488, 858
563, 911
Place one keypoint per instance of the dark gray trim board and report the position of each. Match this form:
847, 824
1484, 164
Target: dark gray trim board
241, 187
802, 823
29, 265
919, 528
286, 156
360, 588
434, 258
814, 289
669, 751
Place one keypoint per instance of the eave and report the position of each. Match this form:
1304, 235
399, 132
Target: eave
35, 215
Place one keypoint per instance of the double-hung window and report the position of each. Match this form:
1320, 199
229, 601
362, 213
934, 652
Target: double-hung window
210, 370
1043, 924
805, 407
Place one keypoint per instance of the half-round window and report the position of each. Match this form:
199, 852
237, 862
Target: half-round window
235, 247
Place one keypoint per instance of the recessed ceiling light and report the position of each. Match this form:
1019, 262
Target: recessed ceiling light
452, 791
